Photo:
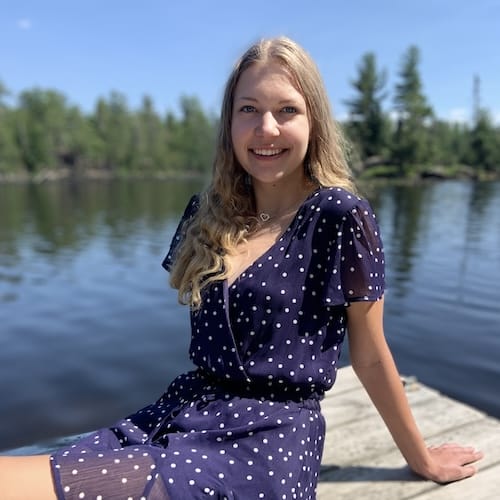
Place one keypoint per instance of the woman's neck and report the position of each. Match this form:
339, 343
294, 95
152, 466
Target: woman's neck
274, 201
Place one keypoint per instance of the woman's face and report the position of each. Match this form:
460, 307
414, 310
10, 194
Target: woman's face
270, 127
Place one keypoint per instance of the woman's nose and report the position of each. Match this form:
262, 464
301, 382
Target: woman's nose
268, 125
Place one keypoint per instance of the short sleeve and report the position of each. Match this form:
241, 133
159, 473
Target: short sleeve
356, 266
190, 210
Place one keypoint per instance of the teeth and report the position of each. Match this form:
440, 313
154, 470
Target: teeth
267, 152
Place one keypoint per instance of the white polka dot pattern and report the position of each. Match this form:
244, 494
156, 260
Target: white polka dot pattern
246, 423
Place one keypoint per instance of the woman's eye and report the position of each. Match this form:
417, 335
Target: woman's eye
289, 109
247, 109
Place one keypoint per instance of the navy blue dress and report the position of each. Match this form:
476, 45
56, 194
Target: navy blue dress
246, 423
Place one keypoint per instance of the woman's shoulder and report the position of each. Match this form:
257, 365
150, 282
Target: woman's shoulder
191, 208
193, 204
335, 201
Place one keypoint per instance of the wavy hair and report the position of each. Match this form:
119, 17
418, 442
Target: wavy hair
227, 212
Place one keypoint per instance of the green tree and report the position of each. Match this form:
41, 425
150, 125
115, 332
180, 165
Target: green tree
191, 138
40, 128
485, 143
10, 159
148, 139
83, 146
443, 144
368, 126
4, 91
411, 146
459, 143
113, 128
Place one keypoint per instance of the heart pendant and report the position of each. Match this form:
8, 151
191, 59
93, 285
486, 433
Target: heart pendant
264, 217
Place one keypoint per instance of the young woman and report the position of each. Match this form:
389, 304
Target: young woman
277, 259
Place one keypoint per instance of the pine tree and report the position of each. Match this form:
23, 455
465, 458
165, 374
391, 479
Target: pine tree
411, 145
485, 143
368, 125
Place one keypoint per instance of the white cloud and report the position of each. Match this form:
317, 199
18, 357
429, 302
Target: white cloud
459, 115
342, 116
393, 116
24, 24
462, 115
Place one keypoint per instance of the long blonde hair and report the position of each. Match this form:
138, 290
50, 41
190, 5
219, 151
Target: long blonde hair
227, 207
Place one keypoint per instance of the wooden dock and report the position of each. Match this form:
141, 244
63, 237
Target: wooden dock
361, 462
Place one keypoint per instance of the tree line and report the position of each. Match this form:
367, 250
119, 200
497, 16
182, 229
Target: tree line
44, 133
410, 140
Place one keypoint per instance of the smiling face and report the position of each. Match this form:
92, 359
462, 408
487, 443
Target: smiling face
270, 127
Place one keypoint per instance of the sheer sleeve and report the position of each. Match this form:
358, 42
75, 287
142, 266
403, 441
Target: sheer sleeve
356, 266
190, 210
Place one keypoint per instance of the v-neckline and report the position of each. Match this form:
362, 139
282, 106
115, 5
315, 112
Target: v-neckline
280, 239
262, 255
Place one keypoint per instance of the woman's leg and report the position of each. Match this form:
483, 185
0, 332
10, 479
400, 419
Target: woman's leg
26, 478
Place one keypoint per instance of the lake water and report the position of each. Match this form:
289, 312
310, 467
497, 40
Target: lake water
90, 331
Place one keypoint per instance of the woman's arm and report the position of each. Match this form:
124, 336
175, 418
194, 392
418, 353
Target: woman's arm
374, 365
26, 478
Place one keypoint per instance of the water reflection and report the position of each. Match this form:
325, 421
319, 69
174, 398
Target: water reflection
63, 215
403, 219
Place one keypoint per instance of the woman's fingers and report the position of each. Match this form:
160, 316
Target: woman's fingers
454, 462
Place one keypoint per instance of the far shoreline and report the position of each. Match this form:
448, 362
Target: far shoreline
383, 173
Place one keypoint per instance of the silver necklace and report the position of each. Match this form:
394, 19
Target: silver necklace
265, 216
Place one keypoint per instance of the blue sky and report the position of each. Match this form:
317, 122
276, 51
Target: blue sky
166, 49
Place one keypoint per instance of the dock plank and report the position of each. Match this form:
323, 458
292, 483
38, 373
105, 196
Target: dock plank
361, 461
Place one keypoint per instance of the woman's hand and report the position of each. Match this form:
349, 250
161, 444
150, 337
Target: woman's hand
450, 462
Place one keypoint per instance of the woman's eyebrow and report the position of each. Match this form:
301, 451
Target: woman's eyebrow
245, 98
290, 100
